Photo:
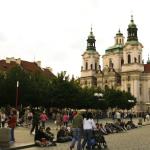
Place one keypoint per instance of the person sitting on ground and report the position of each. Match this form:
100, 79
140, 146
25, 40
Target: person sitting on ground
123, 125
50, 136
69, 131
41, 139
117, 126
108, 128
98, 140
102, 129
62, 135
130, 125
147, 117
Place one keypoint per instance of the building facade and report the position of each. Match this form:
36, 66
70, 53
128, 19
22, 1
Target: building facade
123, 67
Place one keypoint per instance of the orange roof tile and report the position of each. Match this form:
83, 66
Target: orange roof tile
146, 68
28, 66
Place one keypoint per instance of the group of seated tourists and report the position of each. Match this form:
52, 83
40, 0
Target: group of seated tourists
64, 135
44, 137
117, 126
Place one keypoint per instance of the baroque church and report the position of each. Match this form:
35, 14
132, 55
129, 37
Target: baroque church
123, 67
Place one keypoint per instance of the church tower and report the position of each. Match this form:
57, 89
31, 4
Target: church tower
90, 65
133, 66
132, 52
113, 57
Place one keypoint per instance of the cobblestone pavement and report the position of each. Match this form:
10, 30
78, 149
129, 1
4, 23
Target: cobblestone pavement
136, 139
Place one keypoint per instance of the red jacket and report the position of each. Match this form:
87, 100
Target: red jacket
12, 121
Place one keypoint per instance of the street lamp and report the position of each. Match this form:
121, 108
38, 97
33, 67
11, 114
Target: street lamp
100, 98
17, 89
99, 95
131, 101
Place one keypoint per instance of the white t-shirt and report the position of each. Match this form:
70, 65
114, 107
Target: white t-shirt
88, 124
3, 117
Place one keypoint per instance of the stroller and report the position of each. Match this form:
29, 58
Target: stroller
98, 141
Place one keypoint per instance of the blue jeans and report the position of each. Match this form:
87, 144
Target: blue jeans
12, 138
87, 135
76, 138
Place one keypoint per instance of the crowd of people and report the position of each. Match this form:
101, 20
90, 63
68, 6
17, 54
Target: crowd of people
75, 126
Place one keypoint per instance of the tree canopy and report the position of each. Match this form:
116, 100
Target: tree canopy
60, 91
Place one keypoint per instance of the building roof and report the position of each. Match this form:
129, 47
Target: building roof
146, 68
26, 65
115, 48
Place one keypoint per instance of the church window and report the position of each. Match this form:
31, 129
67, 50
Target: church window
139, 59
85, 82
120, 41
110, 62
122, 61
91, 66
140, 89
129, 58
135, 59
106, 87
86, 66
128, 78
95, 66
129, 88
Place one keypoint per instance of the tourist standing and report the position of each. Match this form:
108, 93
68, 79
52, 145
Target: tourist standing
77, 126
88, 126
3, 119
43, 118
12, 121
35, 121
65, 119
58, 120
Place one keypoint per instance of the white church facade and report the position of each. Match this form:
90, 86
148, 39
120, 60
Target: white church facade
123, 67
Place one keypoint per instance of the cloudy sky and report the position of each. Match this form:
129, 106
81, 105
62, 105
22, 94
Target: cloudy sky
55, 31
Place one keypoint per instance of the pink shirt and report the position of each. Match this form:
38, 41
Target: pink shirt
43, 117
65, 118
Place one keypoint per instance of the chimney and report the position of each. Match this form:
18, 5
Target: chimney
38, 63
8, 60
18, 61
49, 68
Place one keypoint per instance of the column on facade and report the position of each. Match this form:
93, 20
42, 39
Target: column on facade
136, 89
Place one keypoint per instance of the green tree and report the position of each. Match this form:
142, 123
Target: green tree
2, 90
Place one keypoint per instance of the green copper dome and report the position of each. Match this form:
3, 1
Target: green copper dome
91, 42
132, 31
119, 33
132, 24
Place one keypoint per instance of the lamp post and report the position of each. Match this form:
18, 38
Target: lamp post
17, 89
131, 101
131, 115
99, 96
